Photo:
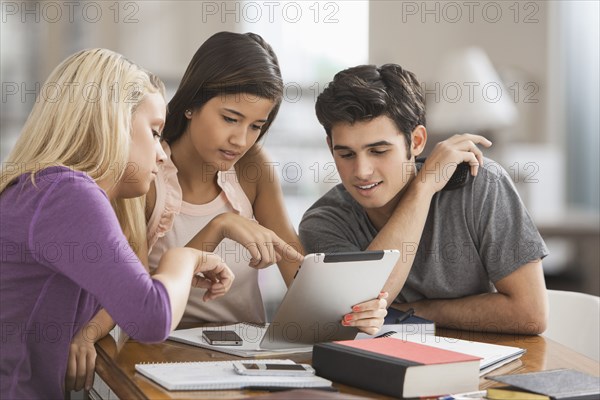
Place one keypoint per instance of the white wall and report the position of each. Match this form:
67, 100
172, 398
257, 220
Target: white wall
520, 39
417, 35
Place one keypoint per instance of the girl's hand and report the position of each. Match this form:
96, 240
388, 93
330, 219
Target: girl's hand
213, 275
264, 246
81, 363
368, 316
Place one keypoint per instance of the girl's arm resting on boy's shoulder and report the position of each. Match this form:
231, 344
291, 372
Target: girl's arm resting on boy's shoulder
269, 210
176, 268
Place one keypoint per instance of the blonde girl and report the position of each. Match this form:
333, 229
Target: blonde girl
91, 138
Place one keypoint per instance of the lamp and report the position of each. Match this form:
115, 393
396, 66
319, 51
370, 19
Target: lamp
469, 96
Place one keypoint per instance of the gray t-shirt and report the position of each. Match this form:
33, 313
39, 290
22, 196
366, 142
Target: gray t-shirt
473, 236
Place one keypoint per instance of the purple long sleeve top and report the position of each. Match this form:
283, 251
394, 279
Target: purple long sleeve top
63, 257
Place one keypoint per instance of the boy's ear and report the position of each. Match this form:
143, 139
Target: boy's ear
418, 140
329, 144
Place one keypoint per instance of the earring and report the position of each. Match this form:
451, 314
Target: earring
188, 113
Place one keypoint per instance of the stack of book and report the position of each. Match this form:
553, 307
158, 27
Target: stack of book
396, 367
410, 366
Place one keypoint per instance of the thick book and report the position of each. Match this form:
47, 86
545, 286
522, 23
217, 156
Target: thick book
558, 384
220, 375
396, 367
492, 356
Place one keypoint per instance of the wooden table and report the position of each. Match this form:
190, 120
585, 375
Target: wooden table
115, 364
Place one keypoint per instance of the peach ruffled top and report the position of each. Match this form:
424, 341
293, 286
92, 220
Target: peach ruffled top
169, 198
174, 223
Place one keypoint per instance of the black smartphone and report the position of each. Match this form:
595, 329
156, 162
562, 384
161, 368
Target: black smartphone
458, 178
269, 369
222, 338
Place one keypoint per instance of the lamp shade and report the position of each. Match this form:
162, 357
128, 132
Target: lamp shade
469, 95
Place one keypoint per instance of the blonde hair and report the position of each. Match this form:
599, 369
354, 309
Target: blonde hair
82, 120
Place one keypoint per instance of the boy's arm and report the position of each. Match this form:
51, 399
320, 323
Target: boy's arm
324, 232
403, 232
404, 229
519, 306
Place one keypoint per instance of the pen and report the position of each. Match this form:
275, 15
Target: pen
407, 314
463, 396
387, 334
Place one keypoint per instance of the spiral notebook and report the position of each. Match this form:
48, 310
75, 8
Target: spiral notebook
220, 375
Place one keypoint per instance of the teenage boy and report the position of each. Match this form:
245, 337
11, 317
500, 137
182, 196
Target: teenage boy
470, 255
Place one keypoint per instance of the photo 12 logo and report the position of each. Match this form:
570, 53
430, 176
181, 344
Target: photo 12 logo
489, 92
270, 11
470, 11
52, 92
69, 11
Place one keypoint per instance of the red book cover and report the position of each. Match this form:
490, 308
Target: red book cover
411, 351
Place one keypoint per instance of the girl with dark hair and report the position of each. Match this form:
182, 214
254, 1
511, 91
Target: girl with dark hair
217, 190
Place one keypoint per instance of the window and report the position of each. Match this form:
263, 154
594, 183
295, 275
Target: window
313, 41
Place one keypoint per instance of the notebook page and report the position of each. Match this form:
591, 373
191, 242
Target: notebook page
218, 375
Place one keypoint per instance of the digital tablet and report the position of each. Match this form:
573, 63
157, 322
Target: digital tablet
324, 289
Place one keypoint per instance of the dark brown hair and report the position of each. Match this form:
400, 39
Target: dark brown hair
365, 92
226, 63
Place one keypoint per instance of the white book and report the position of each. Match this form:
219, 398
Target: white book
220, 375
251, 334
492, 355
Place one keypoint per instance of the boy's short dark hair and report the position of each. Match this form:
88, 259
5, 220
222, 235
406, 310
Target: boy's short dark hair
365, 92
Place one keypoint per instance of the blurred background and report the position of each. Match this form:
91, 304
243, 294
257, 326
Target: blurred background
524, 73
